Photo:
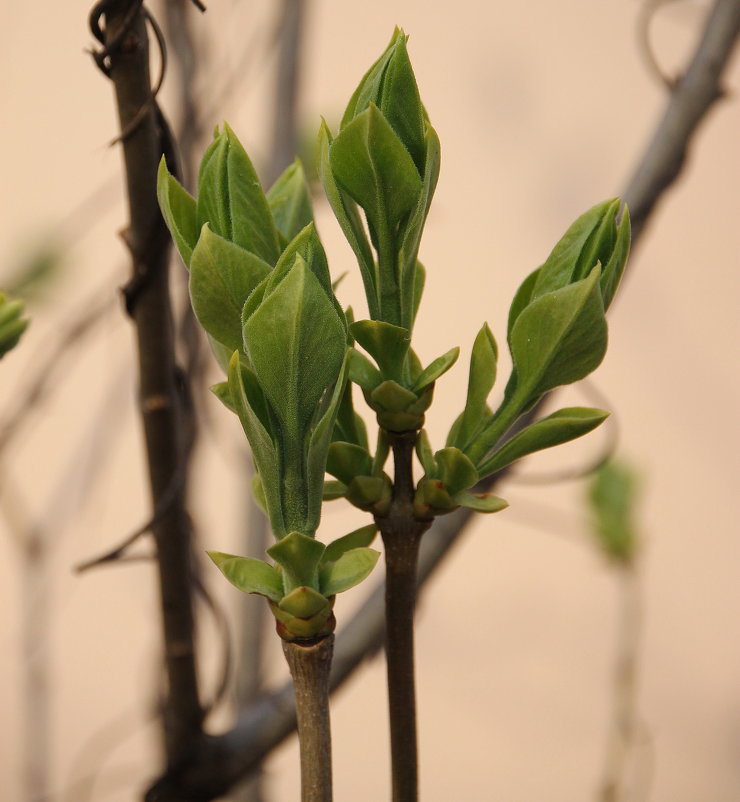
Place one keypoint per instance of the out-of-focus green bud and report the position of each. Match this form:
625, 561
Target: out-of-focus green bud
12, 323
611, 496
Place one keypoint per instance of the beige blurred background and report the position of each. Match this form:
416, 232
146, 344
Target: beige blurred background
542, 109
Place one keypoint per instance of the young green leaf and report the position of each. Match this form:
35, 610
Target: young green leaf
299, 556
347, 571
178, 210
345, 210
249, 575
560, 427
481, 378
370, 162
290, 201
407, 259
318, 447
480, 502
363, 372
222, 277
260, 439
387, 344
231, 199
347, 460
586, 242
455, 470
295, 342
558, 338
304, 602
359, 538
435, 369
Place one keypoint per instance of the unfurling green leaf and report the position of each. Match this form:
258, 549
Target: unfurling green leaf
560, 427
349, 569
295, 342
249, 575
370, 162
231, 200
222, 277
299, 556
178, 210
348, 217
333, 489
350, 427
251, 409
480, 502
390, 84
559, 338
304, 602
387, 344
347, 460
359, 538
593, 239
370, 493
435, 369
362, 371
455, 470
481, 378
289, 199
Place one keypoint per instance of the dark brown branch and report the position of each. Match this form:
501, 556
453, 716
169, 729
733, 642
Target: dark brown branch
125, 59
227, 758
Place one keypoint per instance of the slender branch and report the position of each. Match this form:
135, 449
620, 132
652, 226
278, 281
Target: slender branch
310, 665
236, 753
402, 535
125, 59
691, 98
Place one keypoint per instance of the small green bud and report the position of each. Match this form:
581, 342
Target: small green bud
370, 493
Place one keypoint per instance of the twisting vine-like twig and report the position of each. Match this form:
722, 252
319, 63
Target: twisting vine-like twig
121, 27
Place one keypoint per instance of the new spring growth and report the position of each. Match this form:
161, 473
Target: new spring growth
557, 334
384, 163
260, 287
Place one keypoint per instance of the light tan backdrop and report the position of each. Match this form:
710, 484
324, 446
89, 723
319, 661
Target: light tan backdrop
542, 108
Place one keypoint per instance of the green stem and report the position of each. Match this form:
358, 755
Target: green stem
310, 666
402, 533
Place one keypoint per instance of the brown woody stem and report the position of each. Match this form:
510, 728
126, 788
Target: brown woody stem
402, 533
310, 666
